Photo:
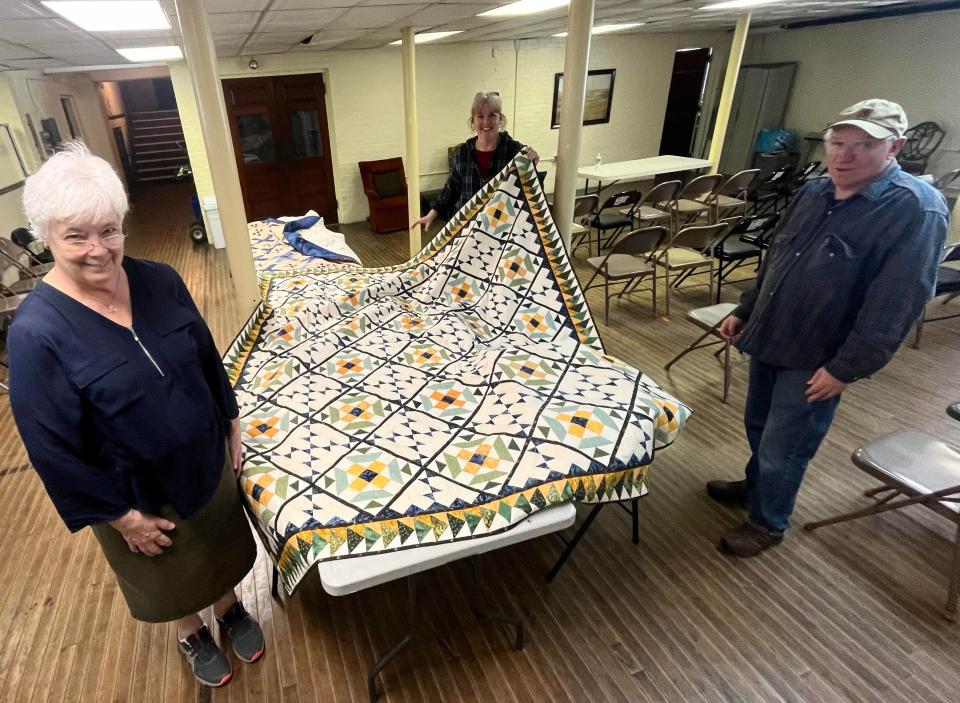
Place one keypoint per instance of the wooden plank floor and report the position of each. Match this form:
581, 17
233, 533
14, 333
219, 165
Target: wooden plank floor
847, 613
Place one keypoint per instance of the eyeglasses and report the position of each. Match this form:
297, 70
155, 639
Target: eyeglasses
834, 146
83, 242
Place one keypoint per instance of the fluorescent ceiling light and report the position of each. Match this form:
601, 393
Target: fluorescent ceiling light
151, 53
524, 7
608, 28
425, 37
737, 4
112, 15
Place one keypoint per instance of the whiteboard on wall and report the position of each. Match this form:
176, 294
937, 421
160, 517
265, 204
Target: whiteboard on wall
12, 170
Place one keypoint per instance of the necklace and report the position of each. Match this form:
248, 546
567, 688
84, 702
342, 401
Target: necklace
111, 307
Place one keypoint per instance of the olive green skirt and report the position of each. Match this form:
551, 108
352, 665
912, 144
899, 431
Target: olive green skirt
211, 553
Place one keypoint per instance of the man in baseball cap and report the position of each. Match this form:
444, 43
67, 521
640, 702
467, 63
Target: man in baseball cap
853, 261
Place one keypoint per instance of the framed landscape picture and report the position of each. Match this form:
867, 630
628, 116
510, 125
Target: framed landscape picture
599, 98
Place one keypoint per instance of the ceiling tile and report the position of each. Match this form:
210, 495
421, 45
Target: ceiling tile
14, 51
438, 14
233, 22
25, 31
289, 20
34, 63
20, 10
235, 5
313, 4
374, 17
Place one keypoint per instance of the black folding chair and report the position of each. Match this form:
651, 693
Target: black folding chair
745, 242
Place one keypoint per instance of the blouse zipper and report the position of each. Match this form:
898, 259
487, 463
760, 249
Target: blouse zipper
137, 340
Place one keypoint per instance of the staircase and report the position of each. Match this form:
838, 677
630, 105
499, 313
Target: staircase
156, 145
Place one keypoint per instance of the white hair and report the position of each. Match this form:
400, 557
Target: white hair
491, 99
73, 185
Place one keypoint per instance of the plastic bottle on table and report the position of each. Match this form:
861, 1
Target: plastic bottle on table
598, 160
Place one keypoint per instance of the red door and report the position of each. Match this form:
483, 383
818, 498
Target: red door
280, 136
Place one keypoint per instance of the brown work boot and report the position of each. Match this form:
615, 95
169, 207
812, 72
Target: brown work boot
749, 540
729, 492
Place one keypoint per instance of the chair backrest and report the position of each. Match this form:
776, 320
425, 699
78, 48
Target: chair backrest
585, 206
17, 256
807, 171
641, 241
922, 140
738, 182
699, 237
778, 177
663, 192
623, 199
385, 176
946, 179
701, 185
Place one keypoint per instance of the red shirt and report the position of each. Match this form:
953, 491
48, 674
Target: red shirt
483, 161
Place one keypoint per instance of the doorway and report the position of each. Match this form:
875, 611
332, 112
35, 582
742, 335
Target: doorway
685, 101
282, 144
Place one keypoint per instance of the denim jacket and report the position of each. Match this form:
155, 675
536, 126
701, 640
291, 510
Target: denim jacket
844, 280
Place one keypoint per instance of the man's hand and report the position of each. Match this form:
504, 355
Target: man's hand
235, 446
822, 386
731, 328
142, 532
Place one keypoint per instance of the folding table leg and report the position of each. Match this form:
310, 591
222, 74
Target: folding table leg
572, 544
275, 582
382, 662
482, 612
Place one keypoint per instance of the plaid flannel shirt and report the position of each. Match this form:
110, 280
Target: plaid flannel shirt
465, 178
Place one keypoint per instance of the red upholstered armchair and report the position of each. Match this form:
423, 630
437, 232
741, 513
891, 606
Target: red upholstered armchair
386, 188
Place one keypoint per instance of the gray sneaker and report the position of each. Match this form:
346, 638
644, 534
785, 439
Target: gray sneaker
245, 634
208, 662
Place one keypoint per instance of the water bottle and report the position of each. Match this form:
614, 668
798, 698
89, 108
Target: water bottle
598, 160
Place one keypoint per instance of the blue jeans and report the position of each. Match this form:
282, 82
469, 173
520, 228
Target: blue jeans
784, 431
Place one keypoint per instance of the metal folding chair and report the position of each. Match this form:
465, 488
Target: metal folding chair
630, 261
710, 319
914, 468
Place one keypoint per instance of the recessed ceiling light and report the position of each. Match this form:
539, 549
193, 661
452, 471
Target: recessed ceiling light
112, 15
608, 28
425, 37
151, 53
524, 7
738, 4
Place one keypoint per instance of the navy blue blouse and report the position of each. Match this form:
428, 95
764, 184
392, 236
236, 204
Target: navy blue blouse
115, 418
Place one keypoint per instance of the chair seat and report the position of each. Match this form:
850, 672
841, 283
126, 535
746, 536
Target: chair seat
914, 460
724, 201
736, 249
684, 258
688, 206
645, 213
621, 265
611, 220
948, 279
710, 315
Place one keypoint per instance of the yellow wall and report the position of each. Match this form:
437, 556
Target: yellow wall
365, 110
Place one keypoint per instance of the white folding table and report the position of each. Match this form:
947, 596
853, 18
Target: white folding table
639, 168
344, 576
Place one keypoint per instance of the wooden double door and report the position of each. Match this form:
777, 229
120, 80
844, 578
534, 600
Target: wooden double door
282, 144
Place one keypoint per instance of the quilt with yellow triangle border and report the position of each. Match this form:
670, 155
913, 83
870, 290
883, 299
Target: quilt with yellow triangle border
443, 399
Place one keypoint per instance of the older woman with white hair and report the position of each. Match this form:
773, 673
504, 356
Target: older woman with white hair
127, 415
478, 159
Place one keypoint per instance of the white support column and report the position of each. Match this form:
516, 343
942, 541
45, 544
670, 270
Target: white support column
412, 167
576, 59
202, 64
729, 89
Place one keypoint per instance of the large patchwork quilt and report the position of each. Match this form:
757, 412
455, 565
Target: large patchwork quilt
443, 399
